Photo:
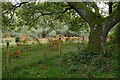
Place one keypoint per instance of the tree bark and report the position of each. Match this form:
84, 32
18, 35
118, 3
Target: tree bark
119, 35
97, 38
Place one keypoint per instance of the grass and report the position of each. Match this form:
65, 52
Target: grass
42, 61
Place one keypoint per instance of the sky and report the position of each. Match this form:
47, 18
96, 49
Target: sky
103, 7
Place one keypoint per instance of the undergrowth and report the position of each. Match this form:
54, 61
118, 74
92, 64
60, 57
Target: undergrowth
90, 64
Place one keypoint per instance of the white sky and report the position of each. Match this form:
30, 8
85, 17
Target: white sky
103, 7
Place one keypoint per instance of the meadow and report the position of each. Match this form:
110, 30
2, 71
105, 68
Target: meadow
42, 61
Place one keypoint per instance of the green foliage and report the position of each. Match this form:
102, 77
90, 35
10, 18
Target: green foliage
5, 21
25, 13
6, 5
75, 61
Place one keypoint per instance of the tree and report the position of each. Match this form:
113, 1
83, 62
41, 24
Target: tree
99, 26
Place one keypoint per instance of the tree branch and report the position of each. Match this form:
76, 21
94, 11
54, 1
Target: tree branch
66, 9
12, 14
95, 7
13, 8
110, 7
43, 14
113, 18
83, 11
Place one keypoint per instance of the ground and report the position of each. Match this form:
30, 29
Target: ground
42, 61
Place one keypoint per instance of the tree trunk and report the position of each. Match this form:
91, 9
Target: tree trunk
119, 35
97, 39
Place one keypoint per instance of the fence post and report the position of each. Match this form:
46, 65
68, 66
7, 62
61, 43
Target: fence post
7, 55
83, 40
17, 40
59, 45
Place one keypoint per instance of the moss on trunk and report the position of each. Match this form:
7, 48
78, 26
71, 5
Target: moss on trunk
97, 39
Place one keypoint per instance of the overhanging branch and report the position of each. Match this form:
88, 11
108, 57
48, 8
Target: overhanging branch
43, 14
113, 18
83, 11
64, 12
13, 9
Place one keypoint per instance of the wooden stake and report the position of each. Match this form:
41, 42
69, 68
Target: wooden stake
78, 39
7, 55
83, 41
59, 45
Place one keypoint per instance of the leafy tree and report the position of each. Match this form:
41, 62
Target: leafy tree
99, 25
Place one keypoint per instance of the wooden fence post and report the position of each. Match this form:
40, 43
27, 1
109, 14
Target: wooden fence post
7, 55
83, 41
59, 45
